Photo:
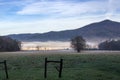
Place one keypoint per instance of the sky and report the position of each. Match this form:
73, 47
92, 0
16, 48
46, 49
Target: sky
40, 16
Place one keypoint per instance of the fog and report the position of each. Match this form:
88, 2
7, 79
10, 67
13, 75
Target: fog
52, 45
49, 45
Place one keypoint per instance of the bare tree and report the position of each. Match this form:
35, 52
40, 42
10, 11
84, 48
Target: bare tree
78, 43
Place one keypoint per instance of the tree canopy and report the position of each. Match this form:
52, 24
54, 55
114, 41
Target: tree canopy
110, 45
8, 44
78, 43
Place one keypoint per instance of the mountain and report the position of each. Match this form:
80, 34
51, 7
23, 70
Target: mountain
98, 31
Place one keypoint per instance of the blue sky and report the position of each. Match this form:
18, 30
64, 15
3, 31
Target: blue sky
39, 16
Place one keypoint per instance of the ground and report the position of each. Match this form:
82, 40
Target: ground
87, 65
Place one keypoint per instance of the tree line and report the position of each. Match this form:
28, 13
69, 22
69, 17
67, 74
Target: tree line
110, 45
78, 43
8, 44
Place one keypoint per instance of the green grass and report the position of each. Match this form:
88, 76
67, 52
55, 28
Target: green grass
76, 66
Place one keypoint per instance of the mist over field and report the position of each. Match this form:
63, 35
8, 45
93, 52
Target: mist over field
51, 45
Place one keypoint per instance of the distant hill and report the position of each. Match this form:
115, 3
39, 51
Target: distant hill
106, 29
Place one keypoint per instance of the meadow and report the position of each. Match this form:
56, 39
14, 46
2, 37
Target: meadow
87, 65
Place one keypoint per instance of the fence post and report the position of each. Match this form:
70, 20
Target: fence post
6, 71
61, 66
45, 72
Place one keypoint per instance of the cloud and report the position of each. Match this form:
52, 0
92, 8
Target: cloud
113, 8
38, 16
64, 8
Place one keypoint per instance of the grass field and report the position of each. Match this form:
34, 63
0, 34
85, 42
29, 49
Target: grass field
77, 66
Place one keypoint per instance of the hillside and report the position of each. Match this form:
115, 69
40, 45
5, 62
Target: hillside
106, 29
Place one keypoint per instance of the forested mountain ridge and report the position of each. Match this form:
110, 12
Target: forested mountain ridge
106, 29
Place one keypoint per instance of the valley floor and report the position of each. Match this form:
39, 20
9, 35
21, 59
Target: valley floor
87, 65
27, 52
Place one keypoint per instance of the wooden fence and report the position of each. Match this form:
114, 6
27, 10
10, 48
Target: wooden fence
59, 69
